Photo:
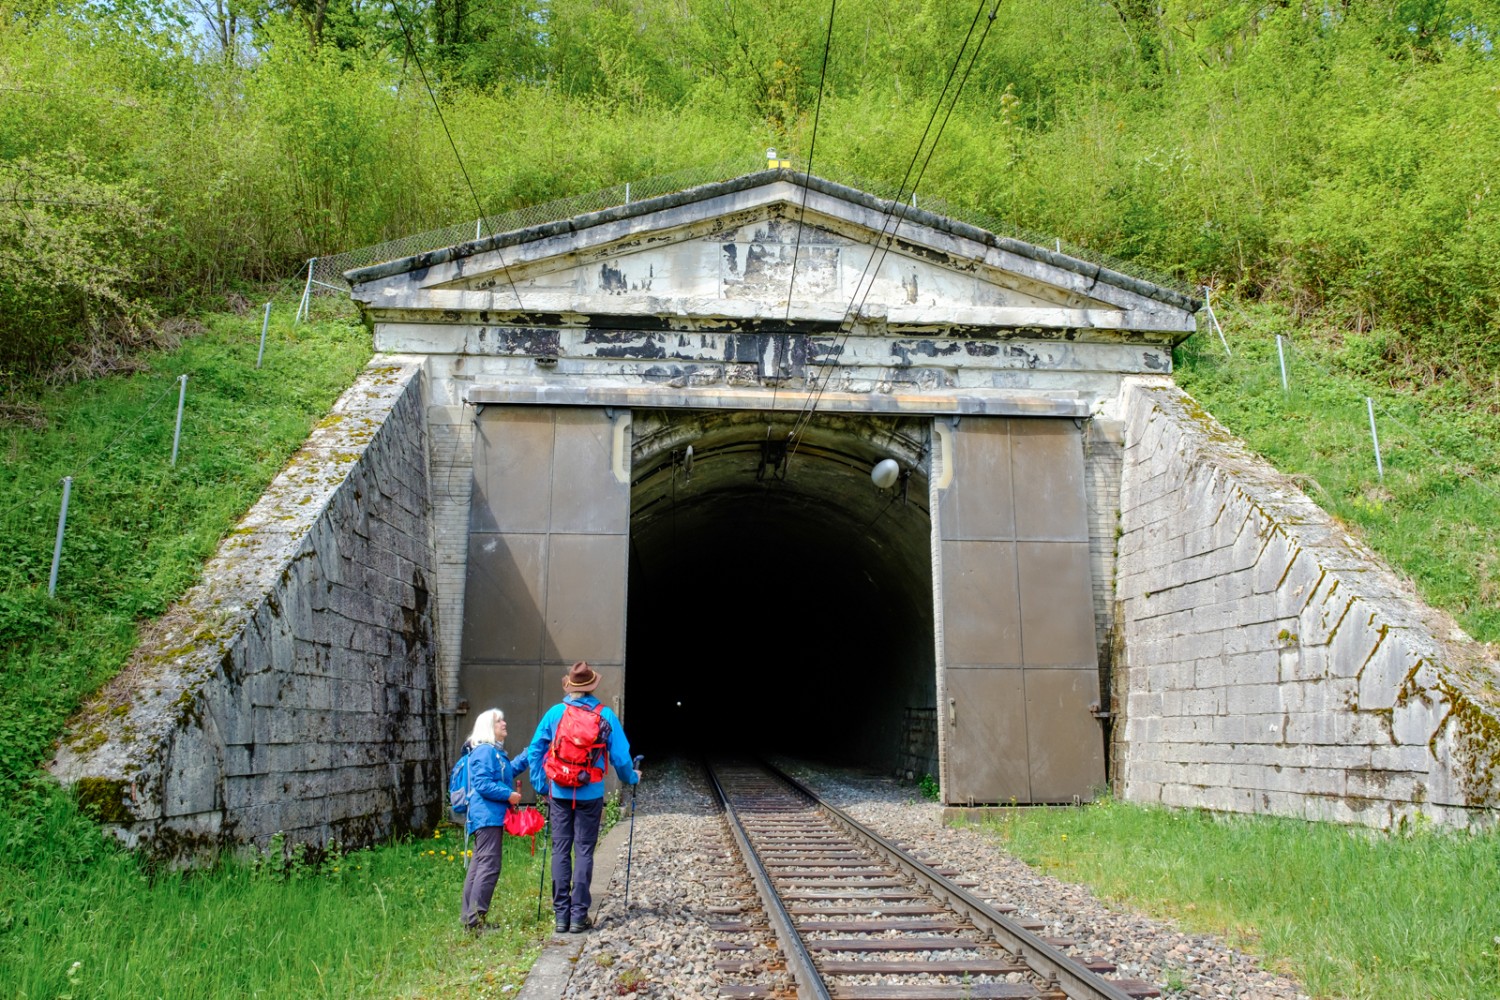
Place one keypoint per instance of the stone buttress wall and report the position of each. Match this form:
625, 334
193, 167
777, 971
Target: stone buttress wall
1271, 663
295, 688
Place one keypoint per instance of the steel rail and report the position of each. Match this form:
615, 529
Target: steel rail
1075, 981
810, 984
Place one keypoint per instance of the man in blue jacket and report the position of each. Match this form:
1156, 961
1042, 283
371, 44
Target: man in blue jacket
576, 803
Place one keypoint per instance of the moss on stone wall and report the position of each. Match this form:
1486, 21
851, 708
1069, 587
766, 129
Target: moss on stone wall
105, 799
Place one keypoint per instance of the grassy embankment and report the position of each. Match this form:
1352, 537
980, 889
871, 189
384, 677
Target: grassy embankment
1349, 912
1435, 516
79, 917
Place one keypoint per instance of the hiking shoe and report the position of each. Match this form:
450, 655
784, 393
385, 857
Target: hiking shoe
562, 925
580, 925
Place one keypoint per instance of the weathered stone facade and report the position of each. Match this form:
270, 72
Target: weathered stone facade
1271, 664
295, 688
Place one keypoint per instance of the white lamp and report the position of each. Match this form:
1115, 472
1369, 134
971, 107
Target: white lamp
885, 473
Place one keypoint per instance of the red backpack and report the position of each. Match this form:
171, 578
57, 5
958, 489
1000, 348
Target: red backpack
581, 736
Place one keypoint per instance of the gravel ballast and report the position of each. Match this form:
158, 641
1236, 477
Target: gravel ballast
685, 877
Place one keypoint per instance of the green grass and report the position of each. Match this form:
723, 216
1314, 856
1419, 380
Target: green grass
80, 917
380, 922
1349, 912
139, 529
1436, 515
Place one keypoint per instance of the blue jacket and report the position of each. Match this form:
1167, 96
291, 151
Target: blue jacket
618, 751
492, 777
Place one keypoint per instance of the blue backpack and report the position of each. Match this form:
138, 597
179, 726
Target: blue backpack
459, 788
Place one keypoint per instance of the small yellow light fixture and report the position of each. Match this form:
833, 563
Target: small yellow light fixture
773, 162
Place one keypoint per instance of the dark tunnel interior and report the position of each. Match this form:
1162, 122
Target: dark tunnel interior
786, 615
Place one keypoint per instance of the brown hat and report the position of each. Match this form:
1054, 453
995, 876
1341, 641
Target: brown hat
581, 678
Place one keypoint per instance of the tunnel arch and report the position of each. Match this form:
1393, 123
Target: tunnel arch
779, 599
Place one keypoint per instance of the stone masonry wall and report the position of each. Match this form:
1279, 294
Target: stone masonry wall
295, 688
1271, 663
1103, 453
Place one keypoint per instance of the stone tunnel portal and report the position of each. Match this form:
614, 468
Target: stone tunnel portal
779, 601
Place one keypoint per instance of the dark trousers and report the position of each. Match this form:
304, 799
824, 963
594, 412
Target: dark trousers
575, 831
484, 869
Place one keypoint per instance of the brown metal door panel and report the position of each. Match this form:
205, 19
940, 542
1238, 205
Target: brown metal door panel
586, 598
1046, 460
1065, 744
512, 469
981, 615
505, 584
548, 556
986, 717
582, 500
514, 688
1057, 604
978, 502
1014, 584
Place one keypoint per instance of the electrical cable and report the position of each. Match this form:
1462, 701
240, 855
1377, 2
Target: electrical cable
802, 211
456, 155
898, 209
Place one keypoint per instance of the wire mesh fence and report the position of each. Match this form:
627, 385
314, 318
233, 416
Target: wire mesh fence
328, 272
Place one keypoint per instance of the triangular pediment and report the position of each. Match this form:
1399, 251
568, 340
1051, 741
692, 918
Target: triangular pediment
756, 262
770, 247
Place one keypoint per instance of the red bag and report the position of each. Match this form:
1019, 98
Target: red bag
525, 822
575, 757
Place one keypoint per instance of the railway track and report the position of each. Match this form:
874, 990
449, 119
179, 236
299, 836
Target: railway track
857, 917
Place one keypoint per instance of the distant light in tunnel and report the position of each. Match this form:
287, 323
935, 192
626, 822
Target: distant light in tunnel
885, 473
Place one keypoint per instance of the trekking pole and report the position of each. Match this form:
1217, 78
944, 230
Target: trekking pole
541, 878
630, 840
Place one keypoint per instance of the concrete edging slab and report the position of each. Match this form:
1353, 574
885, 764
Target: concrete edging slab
549, 976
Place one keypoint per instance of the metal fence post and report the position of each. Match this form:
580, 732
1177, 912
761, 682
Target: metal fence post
181, 398
304, 308
62, 521
1379, 466
1207, 304
1281, 356
264, 323
627, 192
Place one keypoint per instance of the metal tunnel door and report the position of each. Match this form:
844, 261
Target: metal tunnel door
1017, 662
548, 557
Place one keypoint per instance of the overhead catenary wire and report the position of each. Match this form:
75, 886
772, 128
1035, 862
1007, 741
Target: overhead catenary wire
812, 147
898, 206
417, 58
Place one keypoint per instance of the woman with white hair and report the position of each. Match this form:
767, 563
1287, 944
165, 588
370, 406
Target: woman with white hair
492, 781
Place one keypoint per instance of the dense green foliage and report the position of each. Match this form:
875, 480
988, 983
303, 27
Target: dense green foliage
1335, 157
1353, 913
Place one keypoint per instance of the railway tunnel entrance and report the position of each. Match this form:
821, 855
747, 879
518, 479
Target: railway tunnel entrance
766, 591
780, 600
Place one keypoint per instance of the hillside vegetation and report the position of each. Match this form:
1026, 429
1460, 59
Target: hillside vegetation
1326, 167
1336, 158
